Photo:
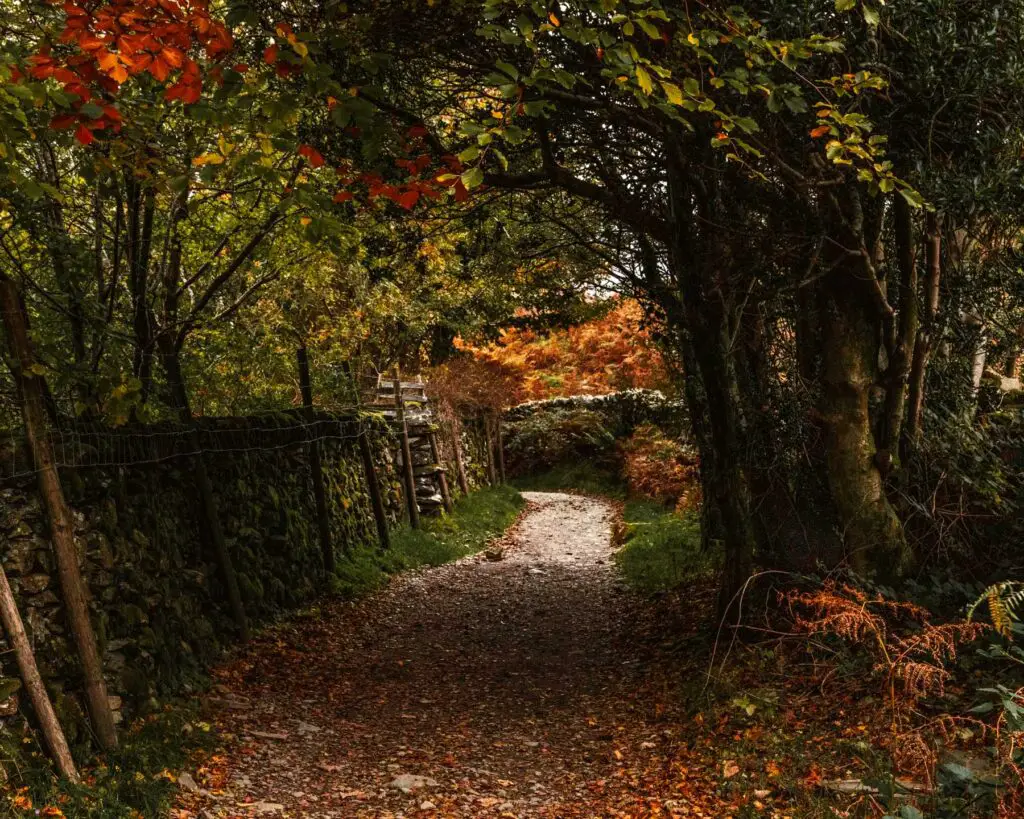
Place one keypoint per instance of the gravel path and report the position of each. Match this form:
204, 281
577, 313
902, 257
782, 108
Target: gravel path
488, 687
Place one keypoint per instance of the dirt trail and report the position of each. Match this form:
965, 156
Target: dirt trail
509, 687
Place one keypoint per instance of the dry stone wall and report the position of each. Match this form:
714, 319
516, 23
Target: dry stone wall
158, 601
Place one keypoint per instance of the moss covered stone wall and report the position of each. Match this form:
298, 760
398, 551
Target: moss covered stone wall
157, 596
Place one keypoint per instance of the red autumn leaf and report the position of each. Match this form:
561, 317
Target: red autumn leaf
417, 131
312, 154
159, 68
270, 55
83, 134
343, 196
461, 194
409, 199
820, 131
63, 121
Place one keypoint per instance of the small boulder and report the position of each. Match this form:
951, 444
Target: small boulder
407, 783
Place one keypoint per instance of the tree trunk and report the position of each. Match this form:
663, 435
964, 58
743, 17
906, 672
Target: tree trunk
729, 490
923, 343
31, 386
871, 531
899, 367
316, 470
52, 732
209, 520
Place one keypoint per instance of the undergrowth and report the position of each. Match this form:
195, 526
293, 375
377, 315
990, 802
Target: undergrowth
660, 548
579, 476
476, 519
136, 780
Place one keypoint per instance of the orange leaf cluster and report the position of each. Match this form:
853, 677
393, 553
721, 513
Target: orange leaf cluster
111, 42
658, 467
605, 355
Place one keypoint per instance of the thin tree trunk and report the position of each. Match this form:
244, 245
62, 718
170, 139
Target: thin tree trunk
906, 337
31, 386
316, 469
924, 341
407, 466
52, 732
492, 471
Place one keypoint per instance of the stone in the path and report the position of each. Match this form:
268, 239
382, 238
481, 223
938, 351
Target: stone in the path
407, 783
264, 808
187, 782
427, 805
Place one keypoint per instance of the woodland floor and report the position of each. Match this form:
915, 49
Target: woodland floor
526, 686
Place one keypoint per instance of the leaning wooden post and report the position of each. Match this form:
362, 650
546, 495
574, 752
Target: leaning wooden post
62, 534
499, 443
460, 466
52, 732
369, 470
442, 479
407, 467
316, 468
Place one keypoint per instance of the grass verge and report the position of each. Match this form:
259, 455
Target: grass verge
477, 518
137, 780
584, 476
660, 549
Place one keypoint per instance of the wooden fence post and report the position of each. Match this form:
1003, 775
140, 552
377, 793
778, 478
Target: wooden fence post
460, 466
369, 470
316, 468
500, 445
410, 475
52, 732
492, 471
442, 479
62, 535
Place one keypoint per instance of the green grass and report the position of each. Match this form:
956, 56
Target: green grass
477, 518
661, 549
583, 477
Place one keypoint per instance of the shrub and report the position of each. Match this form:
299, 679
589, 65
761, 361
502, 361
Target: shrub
660, 468
546, 439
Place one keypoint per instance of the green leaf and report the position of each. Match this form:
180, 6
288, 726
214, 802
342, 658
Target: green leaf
845, 5
673, 92
472, 178
914, 199
470, 154
870, 15
644, 79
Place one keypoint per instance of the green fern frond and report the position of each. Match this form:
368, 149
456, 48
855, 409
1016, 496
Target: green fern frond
1003, 601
